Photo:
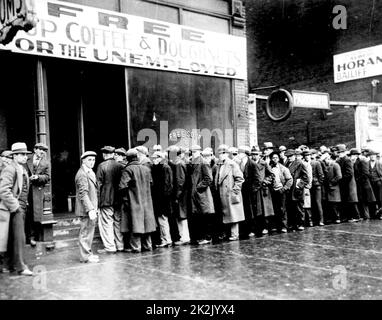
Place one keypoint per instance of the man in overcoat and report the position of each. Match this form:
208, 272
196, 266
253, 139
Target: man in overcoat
348, 186
228, 182
6, 159
362, 177
14, 189
375, 167
316, 189
295, 196
39, 176
201, 201
109, 222
86, 206
138, 217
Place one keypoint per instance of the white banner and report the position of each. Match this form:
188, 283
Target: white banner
357, 64
72, 31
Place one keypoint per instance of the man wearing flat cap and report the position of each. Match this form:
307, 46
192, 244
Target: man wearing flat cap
6, 159
14, 189
348, 186
39, 174
120, 156
109, 221
143, 156
267, 149
316, 190
282, 156
362, 178
375, 167
87, 205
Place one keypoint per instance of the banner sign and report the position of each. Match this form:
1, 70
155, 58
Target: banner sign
72, 31
358, 64
15, 15
312, 100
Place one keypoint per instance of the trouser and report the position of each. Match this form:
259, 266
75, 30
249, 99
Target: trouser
118, 236
316, 199
106, 228
86, 236
139, 241
279, 207
234, 229
334, 212
201, 226
164, 229
308, 216
183, 230
296, 216
364, 209
376, 186
350, 210
32, 228
16, 240
261, 223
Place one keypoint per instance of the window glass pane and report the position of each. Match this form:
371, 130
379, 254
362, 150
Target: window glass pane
218, 6
150, 10
186, 102
108, 5
202, 21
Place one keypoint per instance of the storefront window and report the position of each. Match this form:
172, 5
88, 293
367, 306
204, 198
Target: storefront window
202, 21
108, 5
151, 10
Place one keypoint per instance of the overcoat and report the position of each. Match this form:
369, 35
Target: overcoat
362, 177
228, 181
108, 177
200, 181
377, 186
86, 193
11, 184
180, 191
299, 174
332, 177
162, 188
248, 189
38, 186
135, 188
307, 202
263, 181
348, 186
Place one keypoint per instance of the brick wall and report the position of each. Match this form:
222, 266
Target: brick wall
291, 45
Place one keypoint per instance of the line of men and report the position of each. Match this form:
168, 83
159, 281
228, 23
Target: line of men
183, 196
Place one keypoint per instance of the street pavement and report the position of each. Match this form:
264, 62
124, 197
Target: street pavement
330, 262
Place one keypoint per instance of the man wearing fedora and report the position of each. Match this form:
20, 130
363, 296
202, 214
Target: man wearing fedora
348, 186
108, 176
14, 188
87, 205
39, 174
267, 150
375, 166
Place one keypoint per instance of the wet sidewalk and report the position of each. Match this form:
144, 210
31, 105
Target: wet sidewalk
330, 262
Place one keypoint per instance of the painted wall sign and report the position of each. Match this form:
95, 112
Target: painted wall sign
358, 64
72, 31
309, 99
15, 15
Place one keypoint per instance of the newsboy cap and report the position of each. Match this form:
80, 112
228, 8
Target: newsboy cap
157, 147
142, 149
88, 154
19, 147
341, 148
7, 154
282, 148
41, 146
223, 148
132, 152
120, 151
108, 149
290, 152
232, 150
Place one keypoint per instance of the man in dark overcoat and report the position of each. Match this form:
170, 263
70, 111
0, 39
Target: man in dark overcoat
138, 217
348, 186
39, 175
316, 189
375, 167
295, 195
362, 177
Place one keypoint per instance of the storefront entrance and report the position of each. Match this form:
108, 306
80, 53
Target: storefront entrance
87, 110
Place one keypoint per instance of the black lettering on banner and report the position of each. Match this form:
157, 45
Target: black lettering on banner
155, 28
30, 45
105, 19
144, 44
41, 49
56, 10
97, 57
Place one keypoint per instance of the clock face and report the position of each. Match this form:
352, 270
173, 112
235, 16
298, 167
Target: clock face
279, 105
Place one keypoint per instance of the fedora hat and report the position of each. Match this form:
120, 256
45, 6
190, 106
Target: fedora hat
142, 149
341, 148
19, 147
41, 146
244, 149
290, 152
354, 151
372, 152
132, 152
108, 149
268, 145
255, 150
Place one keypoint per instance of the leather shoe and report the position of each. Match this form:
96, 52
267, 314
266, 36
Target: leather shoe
181, 243
233, 238
26, 272
284, 230
300, 228
163, 245
104, 251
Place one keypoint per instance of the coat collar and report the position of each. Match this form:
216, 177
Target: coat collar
92, 177
225, 169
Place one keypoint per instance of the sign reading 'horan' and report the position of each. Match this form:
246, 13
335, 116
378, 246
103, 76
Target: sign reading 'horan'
358, 64
72, 31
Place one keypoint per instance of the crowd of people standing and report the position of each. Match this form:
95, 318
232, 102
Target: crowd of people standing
182, 196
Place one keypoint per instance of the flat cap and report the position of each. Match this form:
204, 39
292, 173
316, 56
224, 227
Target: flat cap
232, 150
267, 145
282, 148
88, 154
41, 146
298, 152
121, 151
7, 154
206, 153
341, 147
223, 148
158, 154
256, 150
372, 152
157, 147
173, 148
108, 149
244, 149
142, 149
290, 152
354, 151
133, 152
306, 152
195, 147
